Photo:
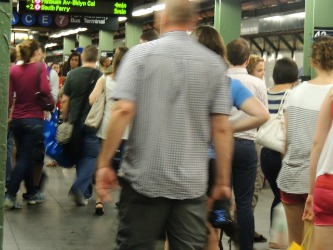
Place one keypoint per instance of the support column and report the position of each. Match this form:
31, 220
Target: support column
133, 32
69, 44
106, 40
227, 19
318, 13
5, 25
84, 40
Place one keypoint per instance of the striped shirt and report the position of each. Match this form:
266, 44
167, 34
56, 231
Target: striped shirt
176, 84
274, 100
257, 88
302, 110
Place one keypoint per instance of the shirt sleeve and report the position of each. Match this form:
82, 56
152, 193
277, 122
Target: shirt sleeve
54, 83
239, 93
67, 85
221, 103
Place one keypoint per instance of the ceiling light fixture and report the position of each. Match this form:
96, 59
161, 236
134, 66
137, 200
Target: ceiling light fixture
67, 32
148, 9
49, 45
122, 19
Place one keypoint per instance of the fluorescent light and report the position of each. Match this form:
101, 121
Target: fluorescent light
148, 9
158, 7
298, 15
142, 12
122, 19
67, 32
49, 45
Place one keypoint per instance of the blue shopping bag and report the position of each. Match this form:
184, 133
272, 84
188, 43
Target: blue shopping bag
52, 148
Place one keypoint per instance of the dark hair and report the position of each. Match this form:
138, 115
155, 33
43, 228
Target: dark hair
285, 71
118, 55
42, 47
149, 35
322, 53
72, 55
90, 53
209, 37
238, 51
27, 48
13, 55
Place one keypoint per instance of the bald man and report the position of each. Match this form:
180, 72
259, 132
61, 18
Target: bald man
175, 101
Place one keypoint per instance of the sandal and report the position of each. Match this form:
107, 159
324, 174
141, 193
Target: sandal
99, 209
259, 238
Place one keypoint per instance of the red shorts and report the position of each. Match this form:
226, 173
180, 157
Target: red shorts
323, 201
293, 199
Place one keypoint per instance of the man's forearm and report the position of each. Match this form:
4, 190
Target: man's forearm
64, 109
223, 141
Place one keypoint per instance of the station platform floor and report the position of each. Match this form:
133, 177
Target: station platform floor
58, 224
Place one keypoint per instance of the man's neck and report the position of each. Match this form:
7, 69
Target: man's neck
171, 28
89, 65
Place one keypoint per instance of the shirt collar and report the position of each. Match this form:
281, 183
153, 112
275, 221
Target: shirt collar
237, 71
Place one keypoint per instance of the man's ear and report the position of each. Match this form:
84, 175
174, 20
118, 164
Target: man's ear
247, 61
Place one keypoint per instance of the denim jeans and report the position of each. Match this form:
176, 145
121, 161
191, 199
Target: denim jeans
244, 170
271, 162
9, 161
86, 163
28, 133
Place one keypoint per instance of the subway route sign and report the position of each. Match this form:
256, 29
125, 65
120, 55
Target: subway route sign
78, 7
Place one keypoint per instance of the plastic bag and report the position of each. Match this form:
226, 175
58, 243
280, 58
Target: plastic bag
307, 240
279, 229
52, 147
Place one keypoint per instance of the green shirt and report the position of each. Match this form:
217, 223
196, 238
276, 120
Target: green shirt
78, 82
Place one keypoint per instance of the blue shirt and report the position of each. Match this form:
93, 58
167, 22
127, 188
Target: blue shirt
239, 94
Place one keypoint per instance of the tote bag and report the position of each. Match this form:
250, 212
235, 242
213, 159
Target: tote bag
95, 115
272, 134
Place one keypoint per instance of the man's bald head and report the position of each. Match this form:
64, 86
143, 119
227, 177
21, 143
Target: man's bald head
179, 12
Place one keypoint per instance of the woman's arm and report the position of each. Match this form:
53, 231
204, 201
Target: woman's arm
97, 90
324, 124
257, 112
323, 127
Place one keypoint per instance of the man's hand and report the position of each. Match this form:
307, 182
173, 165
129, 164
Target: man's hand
221, 192
106, 180
308, 209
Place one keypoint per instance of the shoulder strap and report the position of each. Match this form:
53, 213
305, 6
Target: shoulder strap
92, 79
286, 93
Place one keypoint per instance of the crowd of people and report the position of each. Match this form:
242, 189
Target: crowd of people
185, 125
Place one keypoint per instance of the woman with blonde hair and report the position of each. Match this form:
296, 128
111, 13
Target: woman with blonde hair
256, 66
107, 83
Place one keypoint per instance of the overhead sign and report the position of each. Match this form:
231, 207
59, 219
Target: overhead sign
65, 21
83, 7
327, 31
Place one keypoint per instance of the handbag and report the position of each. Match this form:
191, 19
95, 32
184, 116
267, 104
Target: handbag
46, 100
95, 115
64, 132
272, 134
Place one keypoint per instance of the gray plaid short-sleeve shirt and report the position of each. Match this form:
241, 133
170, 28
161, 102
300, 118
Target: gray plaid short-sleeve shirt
176, 84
